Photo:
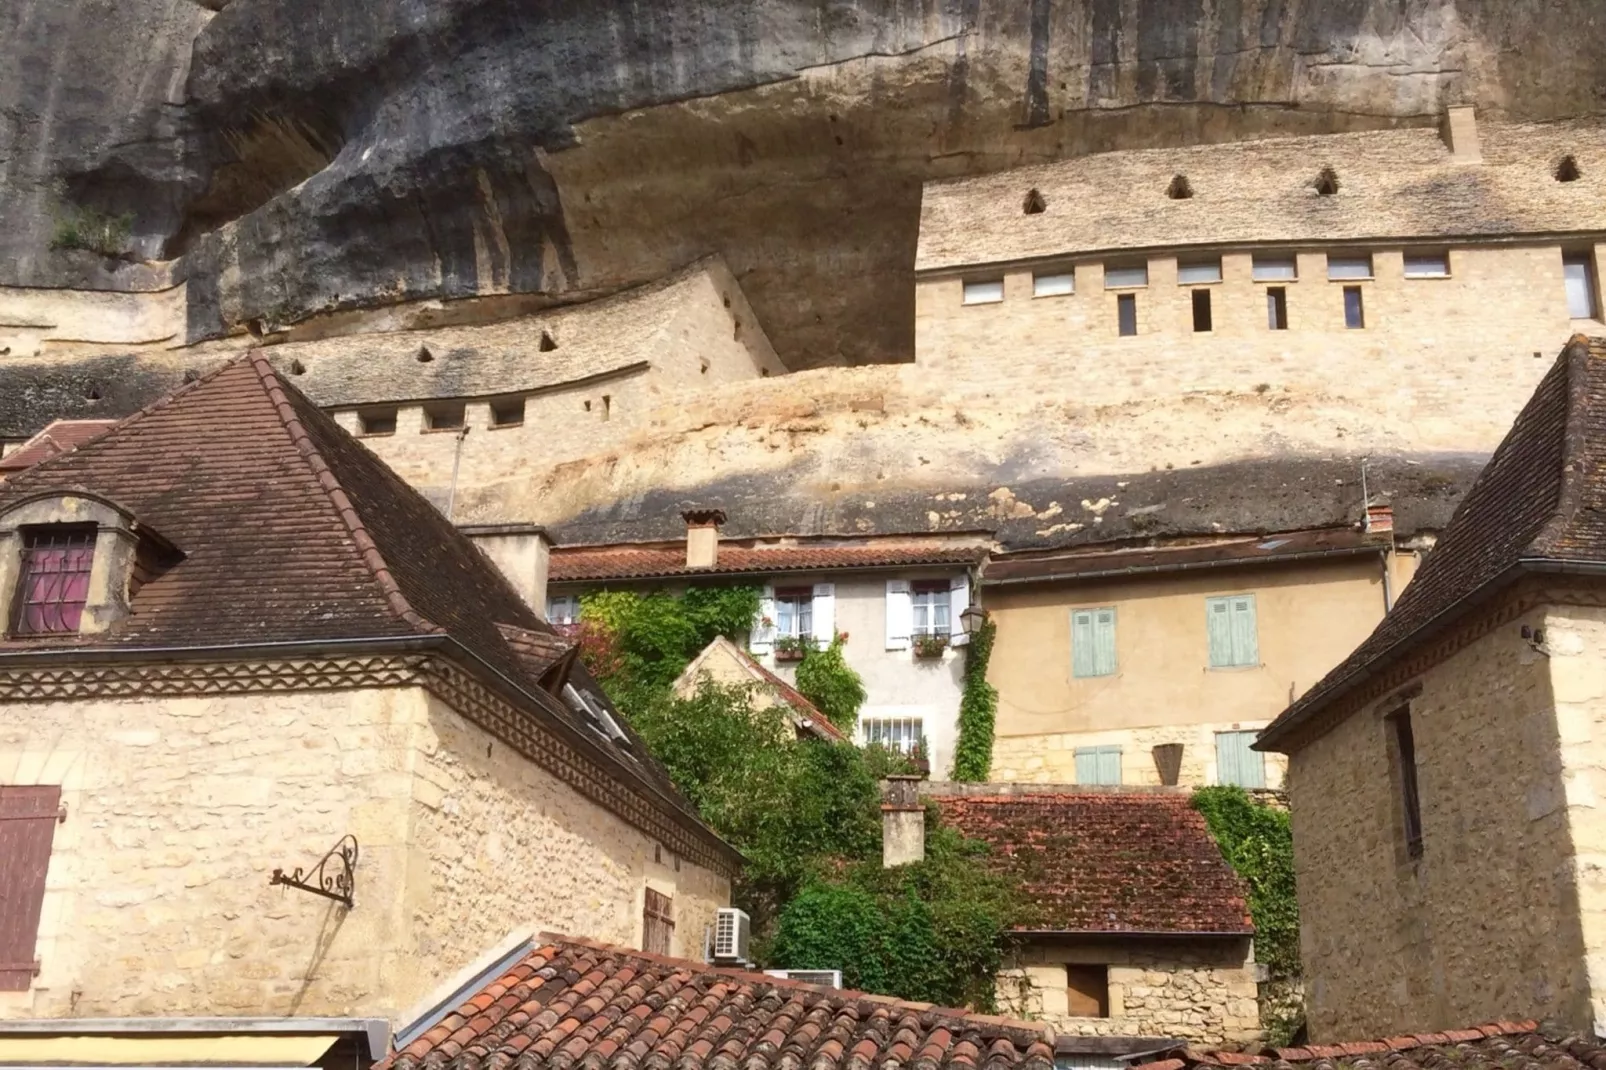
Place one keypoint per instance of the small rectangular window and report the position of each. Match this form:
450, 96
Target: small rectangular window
53, 584
1578, 270
658, 924
1354, 308
1055, 285
794, 612
1201, 312
563, 609
1093, 642
377, 422
1098, 765
1427, 265
1349, 267
1087, 991
929, 599
984, 293
1276, 269
447, 416
1126, 315
1232, 630
507, 413
1277, 308
901, 734
1199, 272
1405, 762
1237, 762
1130, 277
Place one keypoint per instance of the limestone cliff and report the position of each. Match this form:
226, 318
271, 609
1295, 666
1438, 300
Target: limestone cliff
292, 156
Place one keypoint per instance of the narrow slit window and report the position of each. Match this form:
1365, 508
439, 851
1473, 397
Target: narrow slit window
1354, 308
1427, 265
989, 292
1405, 761
53, 587
607, 406
1202, 322
1578, 269
1276, 269
1126, 314
1277, 308
1054, 284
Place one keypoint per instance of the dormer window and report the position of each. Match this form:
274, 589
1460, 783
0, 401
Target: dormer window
53, 581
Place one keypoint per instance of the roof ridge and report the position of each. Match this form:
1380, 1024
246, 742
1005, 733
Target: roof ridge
1574, 452
343, 506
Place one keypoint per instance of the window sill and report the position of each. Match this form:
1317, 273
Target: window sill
441, 430
1235, 668
505, 427
376, 434
1050, 297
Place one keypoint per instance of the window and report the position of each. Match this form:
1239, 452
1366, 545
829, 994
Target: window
1199, 273
1230, 625
1093, 642
1354, 309
53, 585
1087, 991
1055, 285
1349, 267
794, 612
1276, 269
1123, 278
657, 923
1427, 265
28, 818
444, 417
1404, 743
901, 734
1277, 308
984, 293
929, 600
377, 422
1237, 763
508, 413
1578, 269
1201, 312
1126, 315
1098, 765
563, 609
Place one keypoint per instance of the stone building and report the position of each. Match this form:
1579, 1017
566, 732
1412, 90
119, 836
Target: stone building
723, 662
1158, 663
240, 650
897, 599
1358, 267
1140, 928
1445, 778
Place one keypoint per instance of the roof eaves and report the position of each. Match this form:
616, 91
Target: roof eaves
1192, 566
1575, 448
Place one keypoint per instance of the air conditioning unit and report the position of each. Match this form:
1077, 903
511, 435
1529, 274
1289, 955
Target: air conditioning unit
827, 978
731, 927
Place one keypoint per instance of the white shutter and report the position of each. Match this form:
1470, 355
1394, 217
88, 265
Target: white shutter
900, 615
763, 637
824, 613
958, 602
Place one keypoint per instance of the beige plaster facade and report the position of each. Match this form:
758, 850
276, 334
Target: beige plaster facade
1199, 989
1163, 690
178, 809
1502, 913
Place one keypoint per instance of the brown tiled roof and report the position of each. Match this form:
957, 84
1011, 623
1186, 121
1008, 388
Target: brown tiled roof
1237, 550
1496, 1046
57, 437
573, 1003
1540, 500
640, 563
1116, 861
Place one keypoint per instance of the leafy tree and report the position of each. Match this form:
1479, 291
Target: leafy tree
826, 679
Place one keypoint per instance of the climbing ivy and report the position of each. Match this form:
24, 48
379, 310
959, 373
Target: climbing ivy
978, 709
637, 644
827, 680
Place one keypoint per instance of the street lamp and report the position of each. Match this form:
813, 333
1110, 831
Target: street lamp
972, 619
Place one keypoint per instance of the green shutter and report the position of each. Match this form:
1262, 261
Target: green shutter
1233, 632
1083, 659
1218, 625
1098, 765
1109, 765
1104, 642
1087, 765
1236, 763
1245, 631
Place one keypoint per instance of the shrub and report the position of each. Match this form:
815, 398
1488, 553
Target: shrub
827, 680
96, 232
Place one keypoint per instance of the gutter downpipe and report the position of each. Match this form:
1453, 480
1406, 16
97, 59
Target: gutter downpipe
1388, 582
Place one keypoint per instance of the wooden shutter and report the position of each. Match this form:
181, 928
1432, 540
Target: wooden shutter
1087, 765
1082, 643
1218, 625
824, 598
1087, 991
1236, 763
1098, 765
762, 637
27, 826
900, 615
1245, 631
658, 923
1109, 765
958, 602
1104, 641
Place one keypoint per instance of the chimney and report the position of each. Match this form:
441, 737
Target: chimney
903, 822
702, 536
1461, 134
522, 552
1379, 519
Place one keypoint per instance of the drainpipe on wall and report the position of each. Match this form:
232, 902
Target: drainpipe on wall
1380, 521
457, 459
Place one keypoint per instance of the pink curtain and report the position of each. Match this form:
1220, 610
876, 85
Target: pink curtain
56, 589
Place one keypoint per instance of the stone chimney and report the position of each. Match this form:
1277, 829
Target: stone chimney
1379, 519
522, 552
702, 536
903, 821
1461, 134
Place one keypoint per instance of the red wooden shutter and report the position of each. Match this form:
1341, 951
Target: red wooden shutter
27, 826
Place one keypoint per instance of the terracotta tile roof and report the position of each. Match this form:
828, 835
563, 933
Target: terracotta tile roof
1114, 861
633, 563
1540, 499
57, 437
1037, 566
817, 722
574, 1003
1496, 1046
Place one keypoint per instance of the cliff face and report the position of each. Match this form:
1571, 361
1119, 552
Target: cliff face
294, 156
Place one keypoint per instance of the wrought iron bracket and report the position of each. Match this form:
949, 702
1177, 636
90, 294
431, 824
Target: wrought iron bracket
333, 876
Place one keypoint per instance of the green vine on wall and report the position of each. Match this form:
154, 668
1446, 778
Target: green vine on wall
978, 709
826, 679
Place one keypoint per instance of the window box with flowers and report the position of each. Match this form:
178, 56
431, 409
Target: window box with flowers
930, 645
792, 647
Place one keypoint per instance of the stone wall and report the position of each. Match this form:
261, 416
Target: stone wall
178, 809
1203, 990
1051, 758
